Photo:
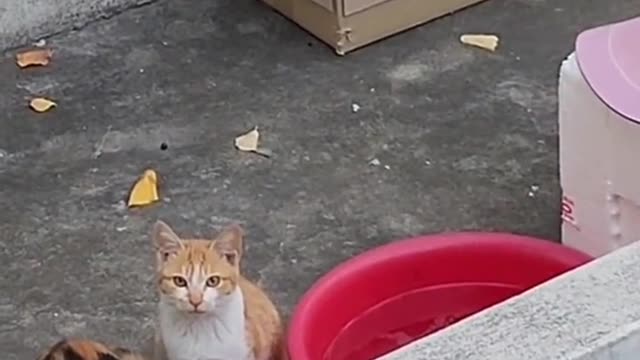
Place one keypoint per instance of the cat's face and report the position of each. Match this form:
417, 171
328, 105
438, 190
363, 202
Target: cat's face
195, 276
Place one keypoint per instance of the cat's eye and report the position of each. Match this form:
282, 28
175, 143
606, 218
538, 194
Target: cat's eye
180, 281
213, 281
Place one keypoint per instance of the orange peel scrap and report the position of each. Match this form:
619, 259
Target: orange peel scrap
484, 41
42, 105
37, 57
248, 142
145, 190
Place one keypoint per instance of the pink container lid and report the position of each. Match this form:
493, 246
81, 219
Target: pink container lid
609, 58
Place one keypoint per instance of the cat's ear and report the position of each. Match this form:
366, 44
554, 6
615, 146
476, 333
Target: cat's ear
165, 241
229, 244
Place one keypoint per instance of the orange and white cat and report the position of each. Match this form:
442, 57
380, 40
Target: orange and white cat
207, 309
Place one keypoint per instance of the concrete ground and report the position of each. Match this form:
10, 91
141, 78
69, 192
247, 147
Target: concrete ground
21, 20
466, 140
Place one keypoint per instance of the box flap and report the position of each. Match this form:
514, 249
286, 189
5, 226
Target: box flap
353, 6
327, 4
609, 58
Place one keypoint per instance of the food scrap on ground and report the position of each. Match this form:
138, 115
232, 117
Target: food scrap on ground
37, 57
145, 190
484, 41
42, 104
249, 142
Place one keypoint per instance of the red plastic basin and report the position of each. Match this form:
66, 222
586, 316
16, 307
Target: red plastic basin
394, 294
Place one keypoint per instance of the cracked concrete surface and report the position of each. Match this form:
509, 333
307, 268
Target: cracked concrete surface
23, 21
462, 137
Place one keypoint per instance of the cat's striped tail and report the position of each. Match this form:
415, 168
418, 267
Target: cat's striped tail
78, 349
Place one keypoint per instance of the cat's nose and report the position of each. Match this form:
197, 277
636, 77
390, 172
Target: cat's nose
195, 300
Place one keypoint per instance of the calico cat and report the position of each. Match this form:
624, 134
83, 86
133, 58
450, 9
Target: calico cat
79, 349
207, 309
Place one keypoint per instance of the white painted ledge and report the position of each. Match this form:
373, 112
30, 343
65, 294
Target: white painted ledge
590, 313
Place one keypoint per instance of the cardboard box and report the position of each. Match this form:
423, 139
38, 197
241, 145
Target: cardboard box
349, 24
599, 129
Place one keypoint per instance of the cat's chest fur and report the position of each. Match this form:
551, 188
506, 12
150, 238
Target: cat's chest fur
206, 337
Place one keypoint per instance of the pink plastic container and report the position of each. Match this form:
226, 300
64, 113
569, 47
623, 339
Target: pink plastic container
608, 57
599, 136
